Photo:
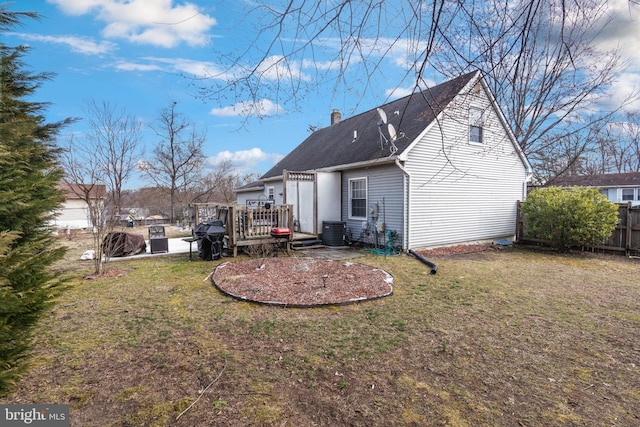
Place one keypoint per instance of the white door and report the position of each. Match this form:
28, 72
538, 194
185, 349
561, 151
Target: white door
300, 192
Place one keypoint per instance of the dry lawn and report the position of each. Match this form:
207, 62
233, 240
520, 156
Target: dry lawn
512, 337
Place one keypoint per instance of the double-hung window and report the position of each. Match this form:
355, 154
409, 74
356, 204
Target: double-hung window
475, 125
358, 198
630, 194
627, 194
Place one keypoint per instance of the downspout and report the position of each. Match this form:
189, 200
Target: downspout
434, 268
406, 194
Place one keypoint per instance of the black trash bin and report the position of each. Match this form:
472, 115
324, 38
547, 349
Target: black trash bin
210, 237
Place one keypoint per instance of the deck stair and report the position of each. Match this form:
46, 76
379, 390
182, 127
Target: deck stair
310, 243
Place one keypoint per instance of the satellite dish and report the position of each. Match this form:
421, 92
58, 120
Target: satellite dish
382, 114
392, 132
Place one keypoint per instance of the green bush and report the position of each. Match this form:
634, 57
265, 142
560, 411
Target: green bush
569, 217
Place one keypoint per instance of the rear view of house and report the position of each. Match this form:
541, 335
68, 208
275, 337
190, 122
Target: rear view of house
437, 167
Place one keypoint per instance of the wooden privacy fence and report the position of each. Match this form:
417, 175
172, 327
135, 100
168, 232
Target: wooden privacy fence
624, 239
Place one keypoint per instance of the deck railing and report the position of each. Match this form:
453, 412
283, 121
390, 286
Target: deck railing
246, 226
252, 224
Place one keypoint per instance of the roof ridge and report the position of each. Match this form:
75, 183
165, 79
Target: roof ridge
333, 145
429, 89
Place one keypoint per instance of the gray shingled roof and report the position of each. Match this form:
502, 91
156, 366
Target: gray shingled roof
630, 179
334, 145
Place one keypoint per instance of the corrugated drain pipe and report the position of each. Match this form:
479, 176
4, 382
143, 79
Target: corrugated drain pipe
434, 268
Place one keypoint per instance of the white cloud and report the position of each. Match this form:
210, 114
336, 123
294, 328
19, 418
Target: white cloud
202, 69
278, 67
197, 69
77, 44
398, 92
623, 28
261, 108
157, 22
620, 91
133, 66
76, 7
622, 34
320, 65
245, 161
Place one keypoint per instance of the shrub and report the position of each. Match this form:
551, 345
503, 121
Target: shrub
29, 173
569, 217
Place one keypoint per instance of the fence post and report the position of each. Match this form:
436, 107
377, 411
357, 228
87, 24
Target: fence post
232, 228
627, 243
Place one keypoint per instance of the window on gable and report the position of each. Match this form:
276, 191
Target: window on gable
475, 125
358, 198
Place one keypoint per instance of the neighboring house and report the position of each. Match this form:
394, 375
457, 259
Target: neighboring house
134, 215
156, 219
75, 211
438, 167
618, 187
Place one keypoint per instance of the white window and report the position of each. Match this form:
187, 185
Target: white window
475, 125
358, 198
627, 194
630, 194
271, 193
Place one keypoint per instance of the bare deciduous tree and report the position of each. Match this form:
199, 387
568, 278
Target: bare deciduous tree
97, 168
539, 57
616, 148
542, 63
177, 160
116, 142
85, 176
219, 184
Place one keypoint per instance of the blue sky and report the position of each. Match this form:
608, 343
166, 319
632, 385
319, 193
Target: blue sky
144, 54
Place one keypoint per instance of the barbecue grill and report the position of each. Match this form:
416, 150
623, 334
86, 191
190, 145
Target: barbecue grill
210, 237
281, 237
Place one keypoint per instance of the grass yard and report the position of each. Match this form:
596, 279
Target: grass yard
498, 338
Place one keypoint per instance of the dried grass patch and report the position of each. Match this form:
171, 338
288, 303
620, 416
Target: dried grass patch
503, 338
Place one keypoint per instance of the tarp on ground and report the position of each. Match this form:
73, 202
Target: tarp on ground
120, 244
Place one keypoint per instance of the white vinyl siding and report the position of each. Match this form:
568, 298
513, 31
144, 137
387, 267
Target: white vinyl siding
73, 214
461, 192
274, 188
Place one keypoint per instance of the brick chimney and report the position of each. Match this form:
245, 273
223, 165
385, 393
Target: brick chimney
335, 117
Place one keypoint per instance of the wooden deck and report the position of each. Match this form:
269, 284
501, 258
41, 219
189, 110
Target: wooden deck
247, 227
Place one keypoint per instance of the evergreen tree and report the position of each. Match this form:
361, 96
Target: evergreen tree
29, 174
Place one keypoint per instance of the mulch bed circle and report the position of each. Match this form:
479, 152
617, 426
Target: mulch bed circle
302, 281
